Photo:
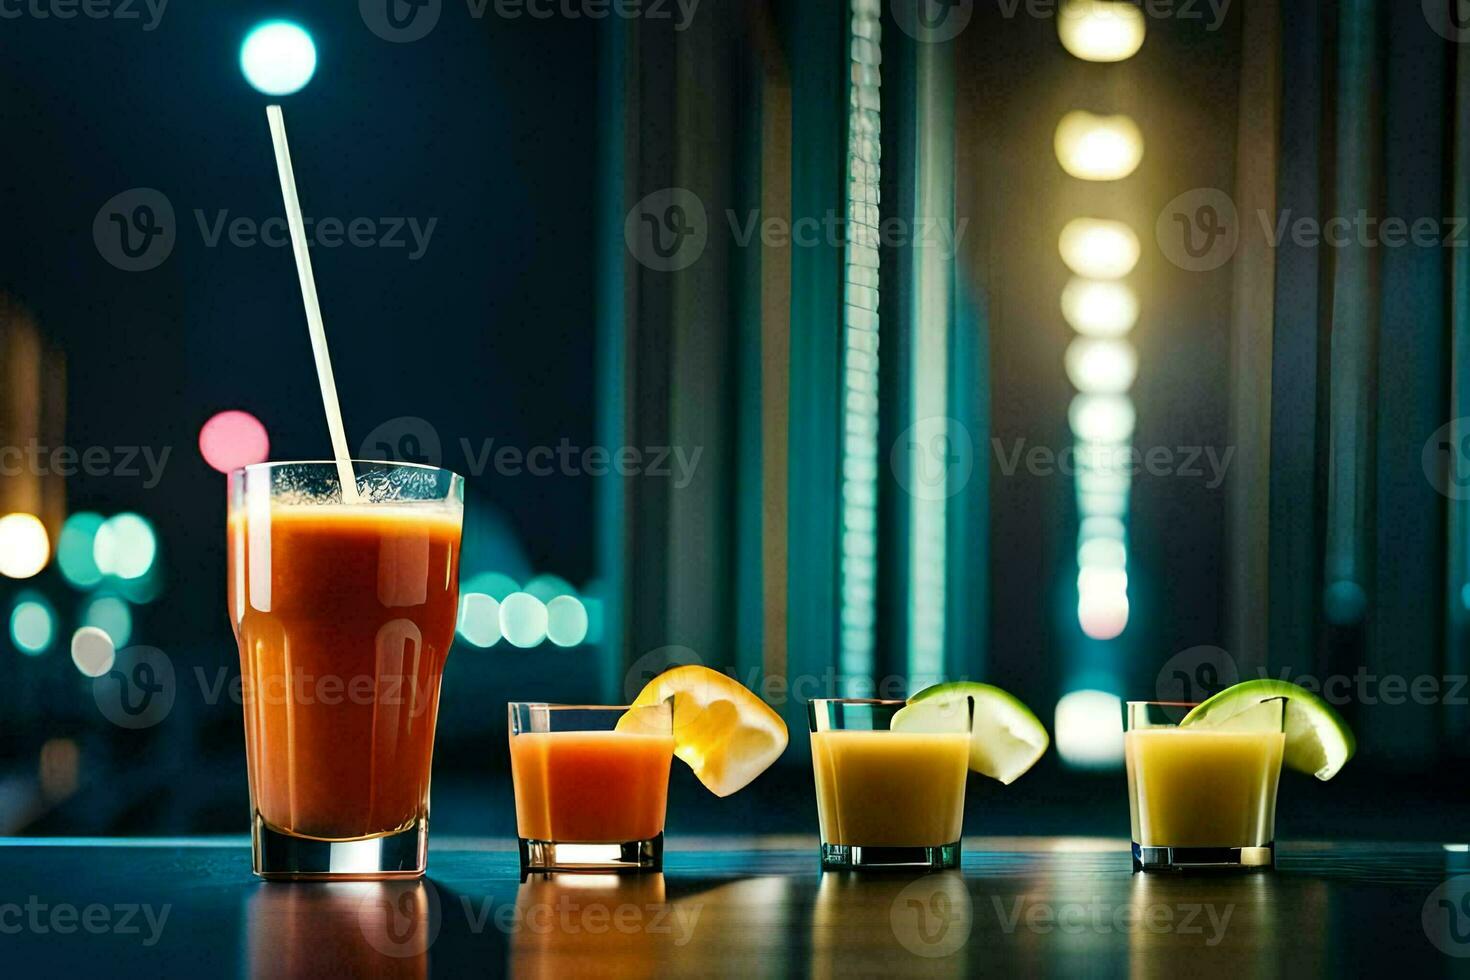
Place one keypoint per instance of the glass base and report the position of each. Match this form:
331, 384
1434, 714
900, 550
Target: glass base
280, 856
1204, 858
551, 855
856, 857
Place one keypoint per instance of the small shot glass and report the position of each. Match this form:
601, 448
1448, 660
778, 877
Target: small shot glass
591, 785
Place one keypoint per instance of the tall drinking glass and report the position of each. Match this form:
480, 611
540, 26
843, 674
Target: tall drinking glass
344, 613
1202, 799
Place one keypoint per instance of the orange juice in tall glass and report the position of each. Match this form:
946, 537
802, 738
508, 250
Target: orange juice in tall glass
344, 613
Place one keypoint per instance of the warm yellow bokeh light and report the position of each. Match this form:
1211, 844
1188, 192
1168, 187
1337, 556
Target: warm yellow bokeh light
1101, 30
1101, 367
1100, 308
24, 545
1091, 147
1098, 249
1107, 419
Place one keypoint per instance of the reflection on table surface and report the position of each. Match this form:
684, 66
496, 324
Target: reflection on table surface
1030, 907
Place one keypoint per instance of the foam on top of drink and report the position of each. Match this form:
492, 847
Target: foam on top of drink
420, 512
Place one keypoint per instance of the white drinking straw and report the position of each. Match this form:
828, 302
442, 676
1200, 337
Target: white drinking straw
313, 308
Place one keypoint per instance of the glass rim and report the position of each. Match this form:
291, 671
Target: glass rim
271, 464
1167, 704
879, 702
554, 706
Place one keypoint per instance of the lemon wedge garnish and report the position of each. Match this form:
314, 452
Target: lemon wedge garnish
722, 731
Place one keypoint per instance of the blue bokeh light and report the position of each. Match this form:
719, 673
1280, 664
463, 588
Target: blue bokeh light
278, 57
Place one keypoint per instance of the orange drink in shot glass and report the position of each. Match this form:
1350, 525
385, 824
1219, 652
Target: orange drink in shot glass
590, 797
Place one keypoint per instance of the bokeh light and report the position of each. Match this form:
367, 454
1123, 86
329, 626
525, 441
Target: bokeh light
523, 620
1102, 527
1103, 504
566, 621
1098, 249
1101, 30
1344, 603
92, 651
24, 545
1102, 553
278, 58
1101, 367
1102, 581
548, 587
496, 585
74, 549
1102, 418
32, 624
1100, 307
233, 439
112, 616
1103, 480
479, 619
1102, 615
125, 546
1091, 147
1089, 728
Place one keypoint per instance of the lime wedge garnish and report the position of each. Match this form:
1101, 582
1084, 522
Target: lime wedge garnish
1318, 741
1006, 739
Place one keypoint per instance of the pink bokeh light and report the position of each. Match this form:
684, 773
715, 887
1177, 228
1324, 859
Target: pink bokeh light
233, 439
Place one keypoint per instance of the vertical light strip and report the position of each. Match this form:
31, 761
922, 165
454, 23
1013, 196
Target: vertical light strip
930, 315
1101, 364
1457, 525
859, 575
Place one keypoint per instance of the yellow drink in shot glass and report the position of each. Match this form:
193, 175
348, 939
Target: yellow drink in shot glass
1202, 798
885, 798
